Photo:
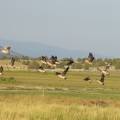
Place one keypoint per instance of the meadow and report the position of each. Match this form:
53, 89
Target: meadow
31, 95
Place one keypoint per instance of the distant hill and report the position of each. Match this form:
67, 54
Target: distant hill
36, 49
13, 53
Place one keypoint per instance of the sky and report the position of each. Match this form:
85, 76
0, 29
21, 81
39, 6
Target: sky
90, 25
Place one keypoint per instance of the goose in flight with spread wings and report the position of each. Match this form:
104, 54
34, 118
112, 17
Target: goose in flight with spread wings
70, 62
1, 70
63, 74
44, 59
90, 59
12, 61
5, 50
87, 79
101, 81
53, 61
41, 69
104, 73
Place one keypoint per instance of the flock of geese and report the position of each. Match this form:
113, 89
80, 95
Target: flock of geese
53, 62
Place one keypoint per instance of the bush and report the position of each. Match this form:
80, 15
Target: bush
33, 65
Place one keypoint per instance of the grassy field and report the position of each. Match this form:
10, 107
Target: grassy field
27, 95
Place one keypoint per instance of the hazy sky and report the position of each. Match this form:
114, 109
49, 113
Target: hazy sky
91, 25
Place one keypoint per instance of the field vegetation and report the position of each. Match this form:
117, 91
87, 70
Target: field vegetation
31, 95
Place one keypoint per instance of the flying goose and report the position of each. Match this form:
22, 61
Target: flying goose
90, 59
63, 74
87, 78
101, 81
41, 69
52, 62
44, 59
12, 61
5, 50
1, 70
104, 73
107, 67
70, 62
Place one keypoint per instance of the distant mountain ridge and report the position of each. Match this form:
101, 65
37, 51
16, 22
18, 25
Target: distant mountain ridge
36, 49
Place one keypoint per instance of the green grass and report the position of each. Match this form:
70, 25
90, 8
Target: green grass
74, 86
27, 95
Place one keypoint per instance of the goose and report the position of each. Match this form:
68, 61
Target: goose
63, 74
44, 59
52, 62
87, 78
41, 69
107, 67
5, 50
70, 62
1, 70
104, 73
90, 59
101, 81
12, 61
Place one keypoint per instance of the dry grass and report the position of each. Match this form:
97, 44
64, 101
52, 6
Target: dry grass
80, 101
35, 108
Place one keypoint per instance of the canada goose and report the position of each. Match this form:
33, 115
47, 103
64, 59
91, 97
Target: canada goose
87, 78
12, 61
41, 69
107, 67
63, 74
101, 81
105, 70
70, 62
5, 50
90, 59
44, 59
1, 70
104, 73
52, 62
